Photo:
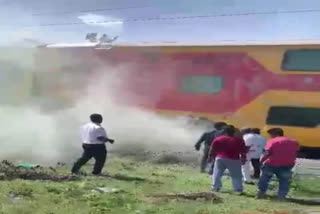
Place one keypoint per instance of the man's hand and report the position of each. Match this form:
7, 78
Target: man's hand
243, 160
104, 139
265, 157
197, 147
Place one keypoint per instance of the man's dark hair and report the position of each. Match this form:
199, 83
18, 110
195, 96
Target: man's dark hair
246, 131
276, 132
255, 130
229, 130
219, 125
96, 118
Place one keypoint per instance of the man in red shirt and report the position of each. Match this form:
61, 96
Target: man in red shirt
229, 153
279, 159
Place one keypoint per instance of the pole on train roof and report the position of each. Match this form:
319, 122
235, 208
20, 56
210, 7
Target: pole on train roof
105, 42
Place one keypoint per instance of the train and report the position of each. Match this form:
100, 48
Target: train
247, 84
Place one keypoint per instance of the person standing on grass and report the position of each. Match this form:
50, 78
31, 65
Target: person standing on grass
93, 137
253, 143
207, 138
229, 153
279, 159
259, 143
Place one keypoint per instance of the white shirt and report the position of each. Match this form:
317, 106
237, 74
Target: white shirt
256, 143
90, 132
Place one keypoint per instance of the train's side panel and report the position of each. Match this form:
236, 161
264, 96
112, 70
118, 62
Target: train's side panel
16, 65
259, 91
250, 84
292, 100
244, 85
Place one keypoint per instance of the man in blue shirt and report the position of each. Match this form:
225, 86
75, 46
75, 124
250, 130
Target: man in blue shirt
207, 139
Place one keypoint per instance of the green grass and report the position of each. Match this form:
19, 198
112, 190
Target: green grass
306, 186
77, 197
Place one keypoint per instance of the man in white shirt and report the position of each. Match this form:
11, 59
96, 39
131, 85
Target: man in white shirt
255, 144
259, 149
93, 137
247, 137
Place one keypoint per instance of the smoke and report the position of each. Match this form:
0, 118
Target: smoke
32, 133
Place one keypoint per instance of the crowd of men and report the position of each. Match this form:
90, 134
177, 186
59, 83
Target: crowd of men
225, 148
228, 148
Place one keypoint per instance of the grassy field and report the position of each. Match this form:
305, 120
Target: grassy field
139, 180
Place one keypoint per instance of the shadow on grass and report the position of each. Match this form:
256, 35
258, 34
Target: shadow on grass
308, 191
304, 201
122, 177
300, 201
133, 179
206, 196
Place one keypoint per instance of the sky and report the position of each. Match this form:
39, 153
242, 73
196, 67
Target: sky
68, 21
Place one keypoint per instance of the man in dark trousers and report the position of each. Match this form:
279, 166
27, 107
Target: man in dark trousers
207, 139
93, 137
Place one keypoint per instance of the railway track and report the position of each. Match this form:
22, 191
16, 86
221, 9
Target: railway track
308, 167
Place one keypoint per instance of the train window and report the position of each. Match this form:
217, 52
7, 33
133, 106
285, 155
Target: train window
10, 74
301, 60
294, 116
201, 84
12, 80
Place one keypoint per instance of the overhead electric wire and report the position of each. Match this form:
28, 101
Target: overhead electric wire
173, 18
87, 11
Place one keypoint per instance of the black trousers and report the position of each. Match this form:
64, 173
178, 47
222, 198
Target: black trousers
204, 158
96, 151
256, 167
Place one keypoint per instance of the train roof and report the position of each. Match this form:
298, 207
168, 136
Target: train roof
189, 44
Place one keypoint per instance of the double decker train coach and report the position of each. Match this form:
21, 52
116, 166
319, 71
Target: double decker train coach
16, 71
252, 84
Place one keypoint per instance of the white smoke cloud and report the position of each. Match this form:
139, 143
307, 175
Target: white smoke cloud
31, 133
